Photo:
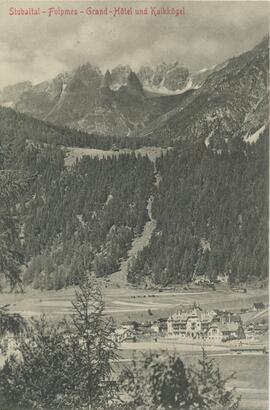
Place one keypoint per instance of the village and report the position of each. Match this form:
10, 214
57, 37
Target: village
238, 330
195, 325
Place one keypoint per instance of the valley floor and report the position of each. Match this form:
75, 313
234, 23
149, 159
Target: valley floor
125, 303
128, 303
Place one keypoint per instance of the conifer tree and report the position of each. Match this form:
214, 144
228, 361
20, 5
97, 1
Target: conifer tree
11, 256
65, 365
156, 383
209, 389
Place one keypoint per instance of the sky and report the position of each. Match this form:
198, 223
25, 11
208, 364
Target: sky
37, 48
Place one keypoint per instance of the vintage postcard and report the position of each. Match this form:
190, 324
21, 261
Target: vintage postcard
134, 207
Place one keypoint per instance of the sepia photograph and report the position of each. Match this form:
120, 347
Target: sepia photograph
134, 205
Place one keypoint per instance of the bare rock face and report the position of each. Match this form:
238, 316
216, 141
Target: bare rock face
165, 76
120, 75
176, 78
118, 102
88, 100
145, 75
160, 73
133, 84
40, 99
113, 103
89, 75
107, 80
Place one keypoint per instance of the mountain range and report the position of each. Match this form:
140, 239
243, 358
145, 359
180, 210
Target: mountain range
164, 100
119, 102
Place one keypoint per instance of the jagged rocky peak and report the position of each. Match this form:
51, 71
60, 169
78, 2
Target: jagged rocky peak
87, 73
176, 79
120, 74
225, 93
145, 74
172, 77
62, 77
107, 80
57, 85
160, 73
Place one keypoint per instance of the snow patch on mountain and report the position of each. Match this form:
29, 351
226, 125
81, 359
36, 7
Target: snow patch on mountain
116, 86
164, 91
253, 138
203, 70
207, 139
7, 104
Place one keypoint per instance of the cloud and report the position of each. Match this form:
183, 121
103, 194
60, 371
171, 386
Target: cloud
38, 48
15, 66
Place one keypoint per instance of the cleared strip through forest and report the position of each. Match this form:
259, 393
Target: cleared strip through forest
140, 242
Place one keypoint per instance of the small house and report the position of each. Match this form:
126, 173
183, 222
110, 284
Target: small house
124, 335
221, 332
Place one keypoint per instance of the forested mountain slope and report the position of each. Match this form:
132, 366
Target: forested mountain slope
212, 204
212, 215
86, 219
17, 127
66, 220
